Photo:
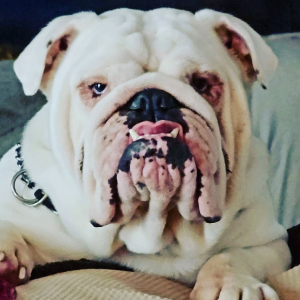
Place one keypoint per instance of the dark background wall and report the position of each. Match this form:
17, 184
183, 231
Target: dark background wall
21, 20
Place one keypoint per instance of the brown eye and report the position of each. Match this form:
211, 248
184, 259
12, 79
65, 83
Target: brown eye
210, 86
97, 88
200, 84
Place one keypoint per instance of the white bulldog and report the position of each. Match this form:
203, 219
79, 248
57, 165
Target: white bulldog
145, 150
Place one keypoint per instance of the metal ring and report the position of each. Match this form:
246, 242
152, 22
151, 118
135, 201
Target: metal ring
27, 202
38, 202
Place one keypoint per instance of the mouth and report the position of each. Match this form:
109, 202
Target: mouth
161, 128
154, 149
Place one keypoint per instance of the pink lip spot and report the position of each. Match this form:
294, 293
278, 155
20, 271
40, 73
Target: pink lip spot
160, 127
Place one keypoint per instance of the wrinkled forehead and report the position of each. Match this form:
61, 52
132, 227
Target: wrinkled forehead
163, 40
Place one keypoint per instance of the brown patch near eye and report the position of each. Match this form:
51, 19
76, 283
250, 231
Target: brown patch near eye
87, 96
238, 48
209, 86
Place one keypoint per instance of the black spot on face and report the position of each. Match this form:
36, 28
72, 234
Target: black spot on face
133, 149
113, 183
239, 213
226, 159
199, 185
178, 153
212, 219
141, 185
49, 44
160, 153
150, 152
136, 156
154, 142
95, 224
81, 160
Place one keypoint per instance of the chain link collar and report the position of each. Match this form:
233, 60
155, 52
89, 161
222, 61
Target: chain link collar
40, 197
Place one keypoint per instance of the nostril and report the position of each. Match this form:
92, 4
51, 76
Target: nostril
140, 103
212, 219
168, 102
95, 224
163, 103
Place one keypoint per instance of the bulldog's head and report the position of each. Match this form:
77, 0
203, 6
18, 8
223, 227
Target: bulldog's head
148, 107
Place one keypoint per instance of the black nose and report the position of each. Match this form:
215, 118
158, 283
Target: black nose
151, 105
153, 100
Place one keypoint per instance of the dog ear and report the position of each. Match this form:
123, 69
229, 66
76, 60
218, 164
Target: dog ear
254, 56
40, 58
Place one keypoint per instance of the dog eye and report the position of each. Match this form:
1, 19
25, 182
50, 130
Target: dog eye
97, 88
210, 86
200, 84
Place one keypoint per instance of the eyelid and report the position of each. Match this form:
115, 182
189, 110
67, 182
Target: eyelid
94, 79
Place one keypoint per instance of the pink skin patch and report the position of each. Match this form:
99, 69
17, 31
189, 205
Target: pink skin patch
187, 206
110, 141
204, 148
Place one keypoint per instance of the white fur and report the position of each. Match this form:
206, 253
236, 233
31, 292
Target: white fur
119, 46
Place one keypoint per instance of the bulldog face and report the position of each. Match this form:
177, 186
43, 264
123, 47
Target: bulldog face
148, 108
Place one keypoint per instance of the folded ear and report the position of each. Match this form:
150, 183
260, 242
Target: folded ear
254, 56
41, 57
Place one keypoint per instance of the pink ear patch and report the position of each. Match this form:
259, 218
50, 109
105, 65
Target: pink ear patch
60, 45
238, 48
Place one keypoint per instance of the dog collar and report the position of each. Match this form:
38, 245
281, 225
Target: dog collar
41, 198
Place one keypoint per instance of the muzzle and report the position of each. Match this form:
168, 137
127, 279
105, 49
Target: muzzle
159, 153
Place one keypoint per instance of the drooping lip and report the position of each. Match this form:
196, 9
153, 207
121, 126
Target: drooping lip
161, 127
